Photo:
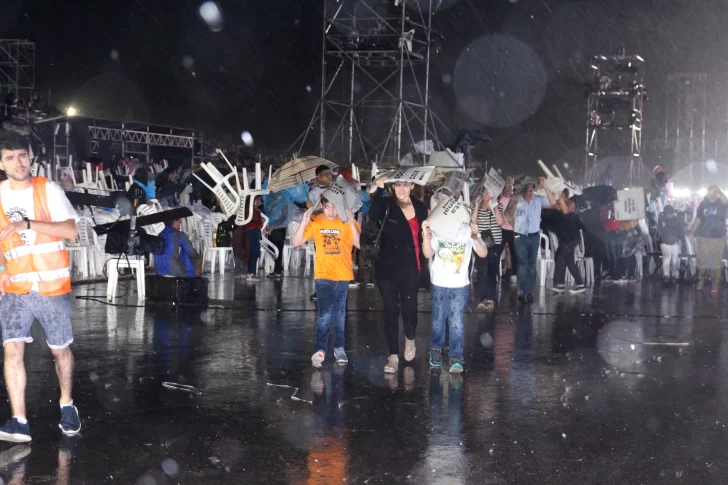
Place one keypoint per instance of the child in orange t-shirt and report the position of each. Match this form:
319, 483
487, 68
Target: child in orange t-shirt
332, 273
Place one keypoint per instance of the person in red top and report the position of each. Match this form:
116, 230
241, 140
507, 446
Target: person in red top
252, 240
613, 239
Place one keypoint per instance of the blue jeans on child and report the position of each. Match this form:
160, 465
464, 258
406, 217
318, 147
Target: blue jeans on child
331, 309
448, 305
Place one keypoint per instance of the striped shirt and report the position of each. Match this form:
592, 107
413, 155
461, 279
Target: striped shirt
487, 220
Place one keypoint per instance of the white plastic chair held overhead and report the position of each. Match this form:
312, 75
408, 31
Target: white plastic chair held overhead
248, 195
228, 196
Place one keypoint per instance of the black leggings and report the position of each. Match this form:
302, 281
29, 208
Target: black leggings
398, 299
510, 240
278, 238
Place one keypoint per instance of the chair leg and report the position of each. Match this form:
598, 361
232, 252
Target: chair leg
143, 279
112, 281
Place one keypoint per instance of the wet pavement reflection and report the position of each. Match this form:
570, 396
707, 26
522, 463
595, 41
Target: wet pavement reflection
625, 384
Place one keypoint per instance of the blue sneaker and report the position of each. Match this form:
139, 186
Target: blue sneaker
436, 358
15, 432
70, 422
456, 365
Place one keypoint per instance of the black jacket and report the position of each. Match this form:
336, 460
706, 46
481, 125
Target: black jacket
671, 229
397, 260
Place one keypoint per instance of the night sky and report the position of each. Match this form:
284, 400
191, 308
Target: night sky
131, 60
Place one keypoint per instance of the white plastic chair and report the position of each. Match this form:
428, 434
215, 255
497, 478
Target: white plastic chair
291, 255
213, 252
268, 250
228, 195
310, 256
546, 258
137, 266
587, 264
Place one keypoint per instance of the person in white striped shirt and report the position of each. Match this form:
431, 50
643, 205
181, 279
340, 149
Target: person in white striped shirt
488, 214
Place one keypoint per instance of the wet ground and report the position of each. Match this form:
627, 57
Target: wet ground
627, 384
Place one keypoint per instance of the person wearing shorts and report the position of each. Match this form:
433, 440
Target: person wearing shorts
35, 281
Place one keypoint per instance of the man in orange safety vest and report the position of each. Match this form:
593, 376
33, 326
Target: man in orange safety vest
35, 281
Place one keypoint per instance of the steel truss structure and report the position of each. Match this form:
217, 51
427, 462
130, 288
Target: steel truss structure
17, 68
615, 103
375, 77
127, 138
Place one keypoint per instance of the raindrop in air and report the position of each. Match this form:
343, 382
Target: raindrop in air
711, 166
114, 54
212, 15
170, 467
486, 340
566, 165
308, 88
247, 138
188, 62
447, 78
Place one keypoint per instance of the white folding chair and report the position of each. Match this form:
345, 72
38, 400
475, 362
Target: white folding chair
546, 259
136, 264
291, 255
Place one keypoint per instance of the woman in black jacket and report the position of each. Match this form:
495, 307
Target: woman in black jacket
401, 268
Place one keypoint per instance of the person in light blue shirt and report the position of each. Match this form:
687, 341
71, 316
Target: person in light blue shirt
527, 230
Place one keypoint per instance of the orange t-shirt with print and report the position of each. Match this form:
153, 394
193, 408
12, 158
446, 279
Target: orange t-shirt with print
334, 242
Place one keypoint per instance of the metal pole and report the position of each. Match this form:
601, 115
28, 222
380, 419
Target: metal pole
427, 81
351, 112
149, 148
322, 124
402, 47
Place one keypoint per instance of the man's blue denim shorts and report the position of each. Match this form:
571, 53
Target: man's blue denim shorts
17, 313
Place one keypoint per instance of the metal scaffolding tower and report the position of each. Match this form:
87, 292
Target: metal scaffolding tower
375, 76
616, 97
686, 114
17, 68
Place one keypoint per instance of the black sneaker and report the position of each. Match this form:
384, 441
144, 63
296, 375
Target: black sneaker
577, 289
15, 432
559, 288
370, 283
314, 297
70, 422
436, 358
275, 276
529, 298
354, 284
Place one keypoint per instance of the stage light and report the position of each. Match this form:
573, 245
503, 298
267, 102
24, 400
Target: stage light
702, 192
681, 192
71, 111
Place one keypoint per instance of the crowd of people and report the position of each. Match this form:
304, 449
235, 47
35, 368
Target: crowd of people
504, 228
390, 237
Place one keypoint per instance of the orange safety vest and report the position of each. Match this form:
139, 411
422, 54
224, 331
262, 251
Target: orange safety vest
45, 262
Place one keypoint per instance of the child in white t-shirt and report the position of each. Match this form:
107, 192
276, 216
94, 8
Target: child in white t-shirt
450, 288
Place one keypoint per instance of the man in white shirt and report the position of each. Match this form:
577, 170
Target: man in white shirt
35, 281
